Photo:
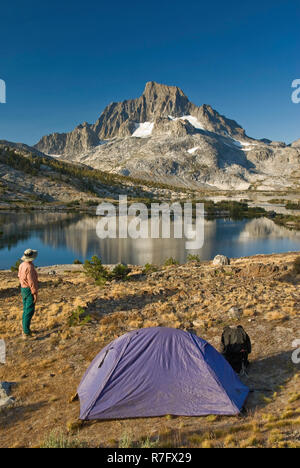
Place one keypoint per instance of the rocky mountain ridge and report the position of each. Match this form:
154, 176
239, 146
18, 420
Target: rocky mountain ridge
162, 136
158, 102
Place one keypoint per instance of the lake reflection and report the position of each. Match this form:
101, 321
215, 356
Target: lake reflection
63, 237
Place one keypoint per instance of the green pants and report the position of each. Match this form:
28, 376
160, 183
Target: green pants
28, 309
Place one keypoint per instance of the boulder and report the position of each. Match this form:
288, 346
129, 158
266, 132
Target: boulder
221, 260
234, 313
5, 399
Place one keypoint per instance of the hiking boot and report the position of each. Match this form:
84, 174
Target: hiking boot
27, 337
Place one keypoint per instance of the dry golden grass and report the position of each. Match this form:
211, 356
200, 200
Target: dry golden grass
55, 363
294, 397
207, 444
230, 442
249, 312
252, 441
276, 315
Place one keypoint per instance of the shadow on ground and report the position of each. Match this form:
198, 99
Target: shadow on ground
266, 376
105, 306
18, 413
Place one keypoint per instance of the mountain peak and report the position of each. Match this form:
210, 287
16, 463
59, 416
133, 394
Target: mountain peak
119, 119
159, 100
154, 89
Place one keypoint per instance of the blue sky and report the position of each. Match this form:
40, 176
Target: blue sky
63, 62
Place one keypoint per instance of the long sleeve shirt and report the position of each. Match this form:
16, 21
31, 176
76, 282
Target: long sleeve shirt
28, 277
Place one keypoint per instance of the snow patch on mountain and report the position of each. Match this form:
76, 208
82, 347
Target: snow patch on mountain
193, 121
242, 145
248, 146
192, 150
143, 130
54, 155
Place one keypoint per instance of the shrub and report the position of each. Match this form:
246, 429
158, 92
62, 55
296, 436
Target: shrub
58, 440
77, 262
74, 203
15, 268
149, 268
148, 443
79, 318
193, 258
296, 265
92, 202
126, 440
171, 261
292, 205
119, 272
94, 269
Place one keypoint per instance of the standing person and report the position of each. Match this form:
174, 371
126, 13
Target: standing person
29, 289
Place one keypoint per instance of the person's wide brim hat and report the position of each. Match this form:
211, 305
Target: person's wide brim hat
29, 255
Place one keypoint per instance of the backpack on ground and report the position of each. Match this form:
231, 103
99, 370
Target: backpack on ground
236, 347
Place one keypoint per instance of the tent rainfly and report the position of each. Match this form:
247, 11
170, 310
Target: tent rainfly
159, 371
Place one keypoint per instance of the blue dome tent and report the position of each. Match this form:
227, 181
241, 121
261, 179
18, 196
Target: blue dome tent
159, 371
